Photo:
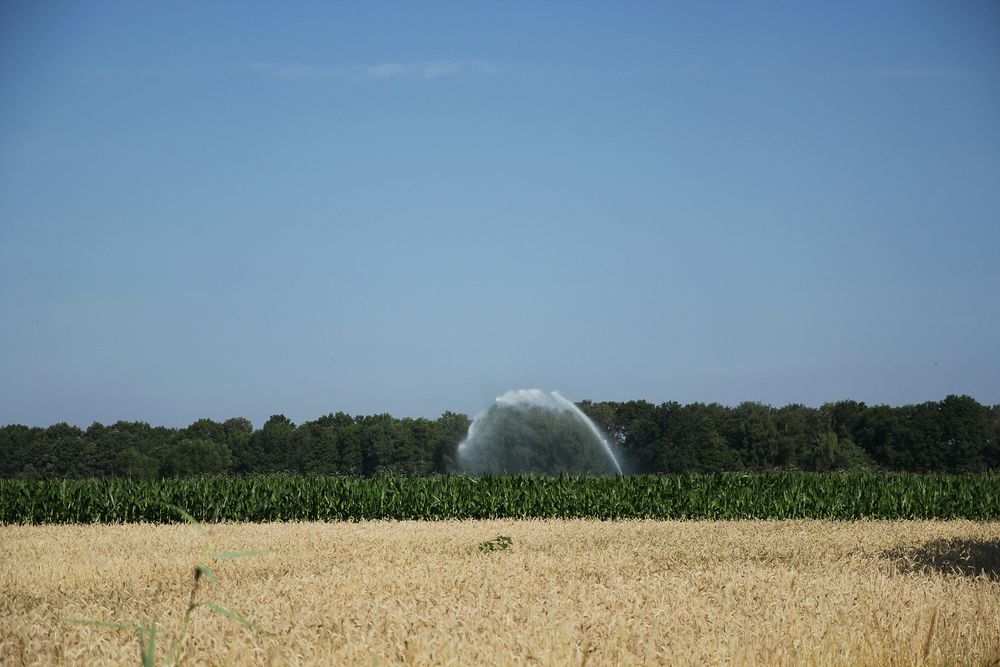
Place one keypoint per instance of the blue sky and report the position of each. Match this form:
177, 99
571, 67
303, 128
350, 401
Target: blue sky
232, 209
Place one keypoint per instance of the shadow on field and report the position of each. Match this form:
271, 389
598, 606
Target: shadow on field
955, 556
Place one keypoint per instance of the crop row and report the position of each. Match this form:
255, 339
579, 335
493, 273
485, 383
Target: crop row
790, 495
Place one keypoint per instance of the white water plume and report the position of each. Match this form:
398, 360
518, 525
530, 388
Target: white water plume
529, 430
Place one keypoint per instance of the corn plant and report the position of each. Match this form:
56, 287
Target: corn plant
785, 495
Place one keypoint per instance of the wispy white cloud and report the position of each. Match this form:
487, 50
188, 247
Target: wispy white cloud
289, 70
388, 70
424, 70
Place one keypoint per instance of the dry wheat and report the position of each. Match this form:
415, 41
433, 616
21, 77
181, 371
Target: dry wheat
565, 592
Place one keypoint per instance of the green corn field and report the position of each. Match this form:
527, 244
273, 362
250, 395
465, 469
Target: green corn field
790, 495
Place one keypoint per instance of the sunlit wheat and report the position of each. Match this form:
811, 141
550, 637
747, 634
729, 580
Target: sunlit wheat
565, 592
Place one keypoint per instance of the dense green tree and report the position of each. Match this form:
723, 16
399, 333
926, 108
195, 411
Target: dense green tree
318, 443
16, 444
206, 429
753, 434
396, 446
62, 451
878, 434
109, 443
799, 429
845, 417
238, 432
638, 431
275, 447
965, 433
414, 453
675, 446
377, 436
133, 464
922, 437
330, 445
956, 434
451, 429
688, 438
196, 456
349, 444
991, 453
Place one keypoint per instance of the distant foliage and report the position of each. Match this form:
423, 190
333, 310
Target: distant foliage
336, 444
789, 495
955, 435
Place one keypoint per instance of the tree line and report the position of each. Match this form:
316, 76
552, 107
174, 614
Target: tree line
954, 435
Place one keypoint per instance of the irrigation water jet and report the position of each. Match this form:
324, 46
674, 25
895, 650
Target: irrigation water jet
528, 430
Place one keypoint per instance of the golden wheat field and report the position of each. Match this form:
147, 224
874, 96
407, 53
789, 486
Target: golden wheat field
563, 593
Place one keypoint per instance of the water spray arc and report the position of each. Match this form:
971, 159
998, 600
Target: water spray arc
529, 430
601, 437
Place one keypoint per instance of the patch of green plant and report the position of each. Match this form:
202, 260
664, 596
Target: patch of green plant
845, 496
498, 543
148, 630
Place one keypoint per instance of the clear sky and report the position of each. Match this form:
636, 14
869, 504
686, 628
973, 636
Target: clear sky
215, 209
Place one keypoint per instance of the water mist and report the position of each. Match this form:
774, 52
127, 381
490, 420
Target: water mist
530, 431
